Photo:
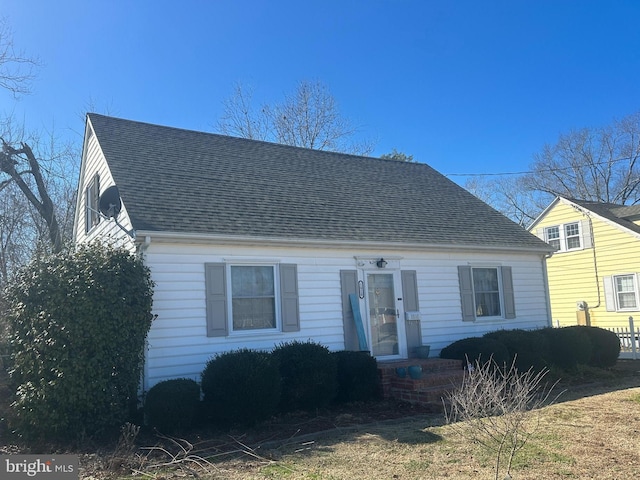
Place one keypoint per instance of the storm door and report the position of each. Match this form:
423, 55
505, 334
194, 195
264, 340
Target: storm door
386, 331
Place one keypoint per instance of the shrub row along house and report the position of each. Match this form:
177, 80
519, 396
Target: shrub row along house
251, 244
594, 273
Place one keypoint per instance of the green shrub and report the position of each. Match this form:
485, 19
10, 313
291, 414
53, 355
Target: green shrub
357, 376
528, 349
78, 324
605, 346
171, 405
476, 349
241, 388
308, 372
568, 347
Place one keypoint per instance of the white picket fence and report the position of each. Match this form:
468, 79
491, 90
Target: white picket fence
629, 340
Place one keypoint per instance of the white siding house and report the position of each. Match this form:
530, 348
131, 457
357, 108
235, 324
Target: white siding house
252, 244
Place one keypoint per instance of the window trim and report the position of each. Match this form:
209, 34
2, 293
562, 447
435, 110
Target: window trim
561, 241
468, 294
219, 322
500, 291
568, 237
612, 298
276, 298
92, 200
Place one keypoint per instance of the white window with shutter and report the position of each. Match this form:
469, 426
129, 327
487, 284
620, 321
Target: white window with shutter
621, 292
251, 297
568, 237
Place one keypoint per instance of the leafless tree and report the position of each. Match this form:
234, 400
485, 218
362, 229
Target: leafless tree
509, 196
594, 164
496, 408
16, 69
309, 117
240, 119
601, 164
35, 183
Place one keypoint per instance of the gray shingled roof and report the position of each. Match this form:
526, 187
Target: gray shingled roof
174, 180
619, 214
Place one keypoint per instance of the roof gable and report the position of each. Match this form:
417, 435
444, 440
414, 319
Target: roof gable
620, 216
182, 181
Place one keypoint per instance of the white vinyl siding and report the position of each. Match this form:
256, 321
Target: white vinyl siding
94, 166
179, 346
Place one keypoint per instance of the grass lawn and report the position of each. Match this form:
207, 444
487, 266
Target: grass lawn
595, 437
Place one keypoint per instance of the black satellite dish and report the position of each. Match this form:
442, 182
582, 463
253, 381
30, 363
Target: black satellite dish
110, 203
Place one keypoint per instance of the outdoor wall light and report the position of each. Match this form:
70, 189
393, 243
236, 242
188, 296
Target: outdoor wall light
381, 263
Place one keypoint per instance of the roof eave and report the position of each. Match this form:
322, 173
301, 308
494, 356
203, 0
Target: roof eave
145, 237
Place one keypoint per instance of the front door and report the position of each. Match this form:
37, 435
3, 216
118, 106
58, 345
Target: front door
386, 331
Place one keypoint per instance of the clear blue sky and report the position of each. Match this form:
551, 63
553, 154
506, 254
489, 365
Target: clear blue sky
465, 85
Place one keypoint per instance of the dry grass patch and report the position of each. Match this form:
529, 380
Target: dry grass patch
596, 437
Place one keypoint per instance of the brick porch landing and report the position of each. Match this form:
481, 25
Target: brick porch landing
438, 376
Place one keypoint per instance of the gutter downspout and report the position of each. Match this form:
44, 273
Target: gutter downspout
545, 277
595, 260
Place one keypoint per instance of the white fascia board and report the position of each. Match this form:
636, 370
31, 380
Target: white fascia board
543, 214
591, 213
150, 237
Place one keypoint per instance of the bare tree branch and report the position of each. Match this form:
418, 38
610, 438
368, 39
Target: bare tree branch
40, 198
16, 69
308, 117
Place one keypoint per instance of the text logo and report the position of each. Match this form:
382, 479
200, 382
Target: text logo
49, 467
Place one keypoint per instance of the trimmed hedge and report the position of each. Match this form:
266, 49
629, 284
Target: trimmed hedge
171, 405
474, 349
605, 346
563, 348
357, 375
528, 349
78, 323
308, 372
569, 347
241, 388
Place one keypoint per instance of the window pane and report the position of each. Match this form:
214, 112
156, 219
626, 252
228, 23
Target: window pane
485, 279
624, 284
572, 233
252, 281
573, 242
253, 313
552, 233
627, 300
487, 304
572, 229
487, 293
253, 297
625, 290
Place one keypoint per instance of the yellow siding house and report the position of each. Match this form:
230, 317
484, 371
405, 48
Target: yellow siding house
594, 275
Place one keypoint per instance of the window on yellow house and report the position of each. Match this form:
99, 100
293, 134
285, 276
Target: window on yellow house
621, 293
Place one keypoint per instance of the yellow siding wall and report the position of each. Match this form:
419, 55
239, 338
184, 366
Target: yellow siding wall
578, 275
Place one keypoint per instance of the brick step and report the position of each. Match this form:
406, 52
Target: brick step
438, 377
428, 380
431, 396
